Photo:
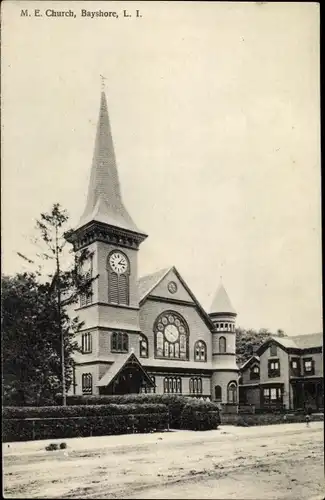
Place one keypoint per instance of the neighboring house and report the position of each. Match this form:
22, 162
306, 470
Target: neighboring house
286, 372
149, 334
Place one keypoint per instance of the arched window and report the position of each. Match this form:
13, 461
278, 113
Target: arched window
232, 392
222, 344
119, 342
171, 336
173, 385
86, 343
118, 278
87, 383
87, 272
143, 346
217, 393
195, 385
200, 351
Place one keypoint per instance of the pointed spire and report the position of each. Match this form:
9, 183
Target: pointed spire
221, 302
104, 201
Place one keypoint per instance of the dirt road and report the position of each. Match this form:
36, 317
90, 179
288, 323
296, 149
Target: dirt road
270, 462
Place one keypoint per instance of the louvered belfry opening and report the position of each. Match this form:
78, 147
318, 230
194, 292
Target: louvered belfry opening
118, 288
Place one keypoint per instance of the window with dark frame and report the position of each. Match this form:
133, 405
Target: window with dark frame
143, 346
200, 351
274, 368
218, 393
254, 372
308, 366
87, 383
195, 385
172, 385
119, 342
232, 392
272, 394
86, 343
295, 366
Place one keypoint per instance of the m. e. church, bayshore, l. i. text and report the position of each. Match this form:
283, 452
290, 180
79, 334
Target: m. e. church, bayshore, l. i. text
52, 13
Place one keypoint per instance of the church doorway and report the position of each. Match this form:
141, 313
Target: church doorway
131, 379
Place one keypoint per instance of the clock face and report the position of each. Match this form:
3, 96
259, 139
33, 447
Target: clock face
118, 262
171, 333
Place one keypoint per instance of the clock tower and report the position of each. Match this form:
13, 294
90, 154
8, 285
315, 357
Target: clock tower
111, 315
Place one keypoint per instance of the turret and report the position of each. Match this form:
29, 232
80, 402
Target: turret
225, 379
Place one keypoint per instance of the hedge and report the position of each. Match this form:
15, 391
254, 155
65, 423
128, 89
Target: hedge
132, 414
175, 403
200, 415
90, 421
10, 412
127, 399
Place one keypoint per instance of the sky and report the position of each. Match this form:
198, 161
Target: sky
215, 116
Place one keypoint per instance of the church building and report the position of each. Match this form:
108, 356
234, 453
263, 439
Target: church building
150, 333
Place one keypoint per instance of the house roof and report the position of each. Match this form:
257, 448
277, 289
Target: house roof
221, 302
113, 371
148, 282
306, 341
249, 361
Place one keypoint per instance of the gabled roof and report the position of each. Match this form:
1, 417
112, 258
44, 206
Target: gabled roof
248, 362
221, 302
147, 283
306, 341
113, 371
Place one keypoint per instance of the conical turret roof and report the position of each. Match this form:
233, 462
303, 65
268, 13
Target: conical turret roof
221, 302
104, 202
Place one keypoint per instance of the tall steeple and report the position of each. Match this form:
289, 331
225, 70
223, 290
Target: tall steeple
104, 202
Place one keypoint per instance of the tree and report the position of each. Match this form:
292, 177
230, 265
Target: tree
29, 342
46, 299
248, 341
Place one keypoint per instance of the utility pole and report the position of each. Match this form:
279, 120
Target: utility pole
61, 332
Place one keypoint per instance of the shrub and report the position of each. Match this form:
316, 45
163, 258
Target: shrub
51, 447
63, 446
200, 415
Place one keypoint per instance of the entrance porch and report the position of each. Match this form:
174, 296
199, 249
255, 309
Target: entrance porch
308, 393
125, 376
